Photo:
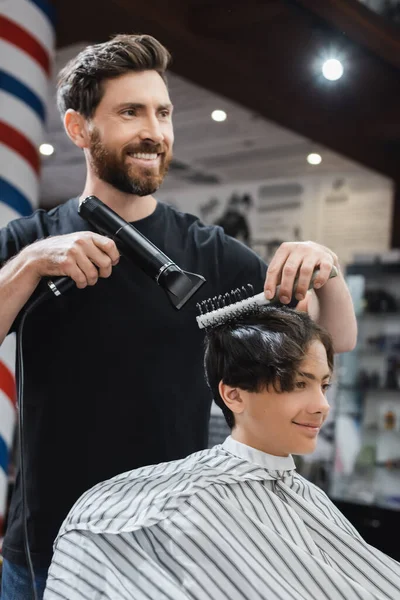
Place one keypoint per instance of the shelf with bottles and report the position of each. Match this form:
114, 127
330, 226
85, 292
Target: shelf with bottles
375, 486
379, 342
375, 289
367, 450
365, 474
366, 467
374, 366
371, 408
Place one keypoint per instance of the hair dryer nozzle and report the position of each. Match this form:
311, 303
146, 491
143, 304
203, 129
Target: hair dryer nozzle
179, 285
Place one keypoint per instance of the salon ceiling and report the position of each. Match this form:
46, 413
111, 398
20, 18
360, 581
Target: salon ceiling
260, 61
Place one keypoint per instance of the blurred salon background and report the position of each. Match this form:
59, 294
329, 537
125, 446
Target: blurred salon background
287, 128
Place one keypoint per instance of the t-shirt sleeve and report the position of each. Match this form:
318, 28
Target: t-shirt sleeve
9, 246
243, 266
18, 234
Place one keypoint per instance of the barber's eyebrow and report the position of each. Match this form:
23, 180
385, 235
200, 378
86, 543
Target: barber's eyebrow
140, 106
311, 376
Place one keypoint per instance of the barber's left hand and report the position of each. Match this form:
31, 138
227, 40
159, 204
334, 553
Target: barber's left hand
298, 258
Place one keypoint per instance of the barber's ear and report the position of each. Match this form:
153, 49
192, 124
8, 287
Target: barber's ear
232, 397
77, 128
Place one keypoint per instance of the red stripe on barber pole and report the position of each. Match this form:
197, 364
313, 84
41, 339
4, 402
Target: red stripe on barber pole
7, 383
26, 55
14, 34
16, 141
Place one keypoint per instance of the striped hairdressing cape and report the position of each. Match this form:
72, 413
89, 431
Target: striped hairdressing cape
230, 523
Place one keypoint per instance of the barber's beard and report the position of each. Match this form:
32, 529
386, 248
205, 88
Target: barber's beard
127, 178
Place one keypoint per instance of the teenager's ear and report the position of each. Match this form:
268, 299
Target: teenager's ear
232, 397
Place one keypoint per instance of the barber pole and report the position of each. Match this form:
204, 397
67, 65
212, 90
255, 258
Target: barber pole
26, 54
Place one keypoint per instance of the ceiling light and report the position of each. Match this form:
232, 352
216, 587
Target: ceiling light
218, 115
314, 159
332, 69
46, 149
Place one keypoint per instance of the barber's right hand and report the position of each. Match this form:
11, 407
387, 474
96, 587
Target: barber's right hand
84, 256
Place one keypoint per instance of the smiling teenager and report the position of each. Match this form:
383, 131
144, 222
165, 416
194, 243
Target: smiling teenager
235, 522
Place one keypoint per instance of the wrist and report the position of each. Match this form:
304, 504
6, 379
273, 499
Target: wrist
30, 264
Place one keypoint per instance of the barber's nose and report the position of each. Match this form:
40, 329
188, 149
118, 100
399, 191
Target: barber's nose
151, 130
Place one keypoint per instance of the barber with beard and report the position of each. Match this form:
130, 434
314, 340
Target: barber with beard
113, 374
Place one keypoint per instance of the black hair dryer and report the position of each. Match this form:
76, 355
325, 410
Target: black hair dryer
179, 285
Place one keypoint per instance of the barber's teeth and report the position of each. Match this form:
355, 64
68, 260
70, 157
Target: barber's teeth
144, 156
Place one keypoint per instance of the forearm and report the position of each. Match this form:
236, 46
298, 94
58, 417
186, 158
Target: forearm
332, 307
18, 280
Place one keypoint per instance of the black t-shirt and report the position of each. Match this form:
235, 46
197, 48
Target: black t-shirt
113, 373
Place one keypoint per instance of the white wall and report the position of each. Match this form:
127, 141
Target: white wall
351, 214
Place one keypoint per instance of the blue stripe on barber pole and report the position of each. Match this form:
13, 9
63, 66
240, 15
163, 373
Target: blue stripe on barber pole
47, 9
30, 73
19, 173
16, 88
3, 455
12, 197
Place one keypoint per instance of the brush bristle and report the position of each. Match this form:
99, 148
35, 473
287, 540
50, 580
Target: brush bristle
211, 320
226, 312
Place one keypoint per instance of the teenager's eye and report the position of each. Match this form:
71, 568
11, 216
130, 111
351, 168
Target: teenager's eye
326, 387
300, 385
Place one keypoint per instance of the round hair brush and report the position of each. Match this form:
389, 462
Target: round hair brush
226, 307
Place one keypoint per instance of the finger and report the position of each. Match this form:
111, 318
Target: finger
325, 269
274, 271
88, 269
289, 273
108, 246
304, 277
102, 260
78, 276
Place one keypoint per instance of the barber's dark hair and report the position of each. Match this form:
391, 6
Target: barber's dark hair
80, 82
261, 350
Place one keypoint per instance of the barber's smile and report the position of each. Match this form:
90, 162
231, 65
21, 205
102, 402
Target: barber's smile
145, 159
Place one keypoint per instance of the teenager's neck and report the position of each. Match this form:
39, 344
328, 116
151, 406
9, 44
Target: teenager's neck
128, 206
252, 441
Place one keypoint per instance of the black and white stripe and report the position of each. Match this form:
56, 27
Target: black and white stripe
229, 523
